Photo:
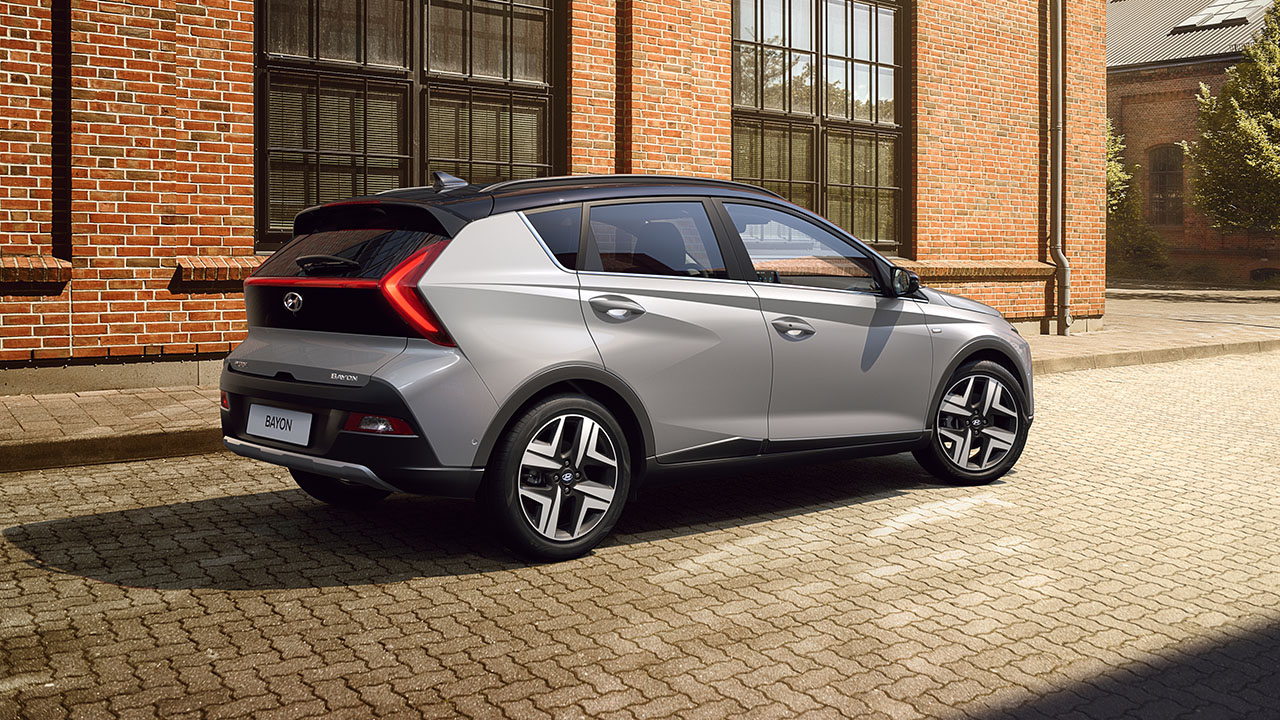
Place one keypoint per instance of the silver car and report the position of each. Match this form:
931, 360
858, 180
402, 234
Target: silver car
547, 346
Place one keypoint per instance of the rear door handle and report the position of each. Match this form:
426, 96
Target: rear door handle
793, 328
616, 307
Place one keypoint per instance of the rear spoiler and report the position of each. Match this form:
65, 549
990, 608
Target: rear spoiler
380, 213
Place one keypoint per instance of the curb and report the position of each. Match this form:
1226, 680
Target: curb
71, 452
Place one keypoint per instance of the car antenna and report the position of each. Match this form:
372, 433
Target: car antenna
443, 182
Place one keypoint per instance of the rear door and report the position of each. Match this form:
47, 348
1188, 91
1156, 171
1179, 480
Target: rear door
666, 318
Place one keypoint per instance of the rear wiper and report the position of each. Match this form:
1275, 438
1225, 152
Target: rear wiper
326, 262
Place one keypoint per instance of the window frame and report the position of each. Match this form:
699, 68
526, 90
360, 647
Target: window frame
1165, 213
582, 217
416, 77
590, 262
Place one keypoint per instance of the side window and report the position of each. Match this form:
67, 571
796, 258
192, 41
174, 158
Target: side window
657, 238
792, 251
560, 229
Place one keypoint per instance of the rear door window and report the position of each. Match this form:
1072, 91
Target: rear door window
345, 253
657, 238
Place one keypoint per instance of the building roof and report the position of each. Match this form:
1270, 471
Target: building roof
1157, 32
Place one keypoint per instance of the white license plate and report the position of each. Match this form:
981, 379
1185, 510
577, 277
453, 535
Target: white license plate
289, 426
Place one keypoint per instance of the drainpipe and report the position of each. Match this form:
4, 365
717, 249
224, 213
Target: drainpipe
1058, 158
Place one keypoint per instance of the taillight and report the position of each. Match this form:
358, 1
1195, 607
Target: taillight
400, 287
377, 424
226, 401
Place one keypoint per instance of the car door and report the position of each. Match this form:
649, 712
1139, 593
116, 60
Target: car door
849, 362
668, 320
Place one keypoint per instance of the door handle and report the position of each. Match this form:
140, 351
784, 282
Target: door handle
616, 307
793, 328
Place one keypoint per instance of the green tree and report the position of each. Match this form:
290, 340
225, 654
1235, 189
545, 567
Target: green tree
1118, 177
1237, 156
1134, 248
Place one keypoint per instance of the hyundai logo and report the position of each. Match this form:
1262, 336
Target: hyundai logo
292, 302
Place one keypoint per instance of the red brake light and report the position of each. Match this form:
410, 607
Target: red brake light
400, 287
377, 424
226, 401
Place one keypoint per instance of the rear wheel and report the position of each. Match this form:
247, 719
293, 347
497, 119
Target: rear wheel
559, 478
336, 492
979, 426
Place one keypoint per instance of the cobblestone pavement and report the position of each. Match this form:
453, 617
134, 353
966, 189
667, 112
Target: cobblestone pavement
1128, 568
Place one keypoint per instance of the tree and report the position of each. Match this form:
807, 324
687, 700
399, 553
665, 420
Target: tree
1118, 177
1237, 156
1133, 246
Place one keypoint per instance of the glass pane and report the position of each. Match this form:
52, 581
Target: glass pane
774, 91
885, 37
802, 24
482, 173
340, 178
291, 112
802, 154
386, 32
560, 229
746, 151
887, 112
801, 195
861, 91
489, 127
529, 40
777, 150
888, 226
663, 238
744, 75
864, 160
797, 252
446, 44
386, 132
386, 174
290, 189
448, 129
289, 21
744, 20
339, 30
771, 30
801, 83
862, 31
527, 132
489, 39
888, 162
840, 207
837, 89
864, 214
837, 28
839, 154
341, 121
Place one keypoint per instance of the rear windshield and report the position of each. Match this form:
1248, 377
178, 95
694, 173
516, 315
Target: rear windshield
373, 252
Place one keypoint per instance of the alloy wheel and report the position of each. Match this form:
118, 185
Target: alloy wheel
568, 477
977, 423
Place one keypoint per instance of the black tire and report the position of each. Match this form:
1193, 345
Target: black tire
512, 513
336, 492
935, 456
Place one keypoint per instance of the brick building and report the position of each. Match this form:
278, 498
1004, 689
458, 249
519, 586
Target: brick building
154, 150
1158, 54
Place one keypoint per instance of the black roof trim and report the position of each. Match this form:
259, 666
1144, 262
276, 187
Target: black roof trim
623, 179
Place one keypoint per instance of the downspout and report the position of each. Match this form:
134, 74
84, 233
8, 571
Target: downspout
1058, 158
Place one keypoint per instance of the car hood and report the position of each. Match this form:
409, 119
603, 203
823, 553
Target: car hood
961, 303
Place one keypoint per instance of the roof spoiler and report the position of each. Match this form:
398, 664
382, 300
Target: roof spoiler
370, 213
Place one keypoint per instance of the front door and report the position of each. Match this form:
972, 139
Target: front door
666, 318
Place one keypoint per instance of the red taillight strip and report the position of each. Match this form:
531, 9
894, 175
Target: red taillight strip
400, 287
348, 283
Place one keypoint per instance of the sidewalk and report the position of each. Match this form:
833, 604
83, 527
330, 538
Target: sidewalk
1142, 326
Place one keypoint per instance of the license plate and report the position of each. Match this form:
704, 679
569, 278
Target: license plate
288, 426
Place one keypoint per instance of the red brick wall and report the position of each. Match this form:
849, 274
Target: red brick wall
593, 85
25, 115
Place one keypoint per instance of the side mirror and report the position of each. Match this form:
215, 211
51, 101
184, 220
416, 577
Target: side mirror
905, 282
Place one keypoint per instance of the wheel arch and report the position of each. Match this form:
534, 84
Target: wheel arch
977, 351
596, 383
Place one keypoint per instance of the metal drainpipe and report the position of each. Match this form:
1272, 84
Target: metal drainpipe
1058, 157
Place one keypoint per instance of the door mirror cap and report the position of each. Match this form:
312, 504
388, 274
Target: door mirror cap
905, 282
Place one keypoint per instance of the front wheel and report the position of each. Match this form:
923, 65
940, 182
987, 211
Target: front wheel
559, 478
979, 426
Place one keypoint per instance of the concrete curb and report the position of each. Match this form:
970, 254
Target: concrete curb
150, 445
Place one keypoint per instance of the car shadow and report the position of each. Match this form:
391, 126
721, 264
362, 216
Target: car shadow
284, 539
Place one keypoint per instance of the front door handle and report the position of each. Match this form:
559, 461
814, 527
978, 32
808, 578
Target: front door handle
616, 307
793, 328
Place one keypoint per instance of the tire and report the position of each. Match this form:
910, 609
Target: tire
994, 415
549, 499
336, 492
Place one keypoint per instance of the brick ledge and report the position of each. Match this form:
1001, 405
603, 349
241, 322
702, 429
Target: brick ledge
979, 270
226, 269
34, 269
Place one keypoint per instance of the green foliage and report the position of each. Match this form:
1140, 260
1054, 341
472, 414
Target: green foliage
1118, 177
1237, 155
1134, 248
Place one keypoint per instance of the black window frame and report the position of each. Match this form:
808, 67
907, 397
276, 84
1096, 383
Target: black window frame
417, 80
1166, 187
820, 128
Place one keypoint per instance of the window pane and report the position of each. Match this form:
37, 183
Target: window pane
885, 37
744, 75
386, 32
489, 126
744, 20
387, 134
888, 225
560, 230
290, 189
341, 177
290, 27
862, 31
801, 195
772, 25
887, 162
793, 251
777, 151
489, 39
342, 117
385, 174
862, 92
802, 24
291, 112
446, 44
887, 110
801, 154
837, 89
775, 83
864, 160
837, 28
529, 54
657, 239
746, 151
448, 128
339, 22
528, 132
840, 206
801, 83
839, 154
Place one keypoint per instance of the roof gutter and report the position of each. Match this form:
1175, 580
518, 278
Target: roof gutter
1057, 159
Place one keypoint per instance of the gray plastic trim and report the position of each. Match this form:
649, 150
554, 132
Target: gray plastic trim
307, 463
